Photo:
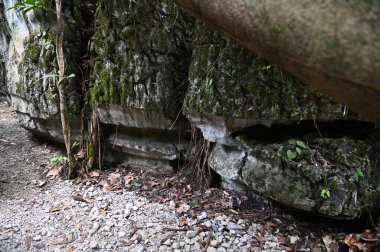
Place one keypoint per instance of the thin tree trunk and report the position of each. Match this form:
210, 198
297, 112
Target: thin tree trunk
93, 141
61, 85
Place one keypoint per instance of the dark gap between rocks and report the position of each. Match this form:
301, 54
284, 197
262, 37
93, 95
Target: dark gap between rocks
308, 130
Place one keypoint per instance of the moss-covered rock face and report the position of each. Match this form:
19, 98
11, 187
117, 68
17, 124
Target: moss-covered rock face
228, 81
33, 72
4, 38
142, 53
331, 177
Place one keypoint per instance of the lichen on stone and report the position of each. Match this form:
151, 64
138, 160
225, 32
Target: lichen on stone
244, 85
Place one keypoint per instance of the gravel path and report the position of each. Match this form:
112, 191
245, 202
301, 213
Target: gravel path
43, 216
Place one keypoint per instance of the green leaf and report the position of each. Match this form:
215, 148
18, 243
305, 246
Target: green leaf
291, 154
293, 141
298, 150
301, 144
356, 177
31, 2
360, 173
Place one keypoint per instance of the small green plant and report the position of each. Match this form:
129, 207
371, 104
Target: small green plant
369, 191
165, 183
297, 149
29, 5
358, 173
366, 162
208, 83
325, 193
58, 159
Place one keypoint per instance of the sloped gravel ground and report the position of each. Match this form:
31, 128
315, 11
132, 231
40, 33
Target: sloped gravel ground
123, 209
41, 215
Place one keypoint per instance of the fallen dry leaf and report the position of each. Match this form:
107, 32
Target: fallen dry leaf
69, 248
94, 174
54, 171
67, 206
180, 210
79, 226
28, 242
55, 209
233, 211
128, 179
81, 154
183, 223
105, 185
351, 240
42, 183
58, 241
82, 199
113, 178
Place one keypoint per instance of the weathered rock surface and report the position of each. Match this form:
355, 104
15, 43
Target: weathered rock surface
154, 72
142, 54
31, 68
235, 94
4, 42
339, 166
232, 88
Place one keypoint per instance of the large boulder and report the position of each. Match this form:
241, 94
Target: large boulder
4, 42
331, 177
139, 78
251, 109
31, 67
232, 89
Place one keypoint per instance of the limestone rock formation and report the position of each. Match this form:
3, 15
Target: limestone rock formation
154, 72
30, 74
141, 57
251, 109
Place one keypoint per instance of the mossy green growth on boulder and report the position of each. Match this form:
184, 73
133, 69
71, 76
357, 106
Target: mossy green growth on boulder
340, 167
142, 54
32, 71
229, 81
39, 76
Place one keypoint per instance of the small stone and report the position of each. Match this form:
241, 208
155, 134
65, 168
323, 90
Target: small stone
94, 216
233, 226
121, 234
93, 244
202, 216
226, 245
197, 246
191, 234
95, 228
207, 223
214, 243
37, 238
186, 207
127, 213
168, 242
211, 249
139, 248
172, 204
294, 239
176, 245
